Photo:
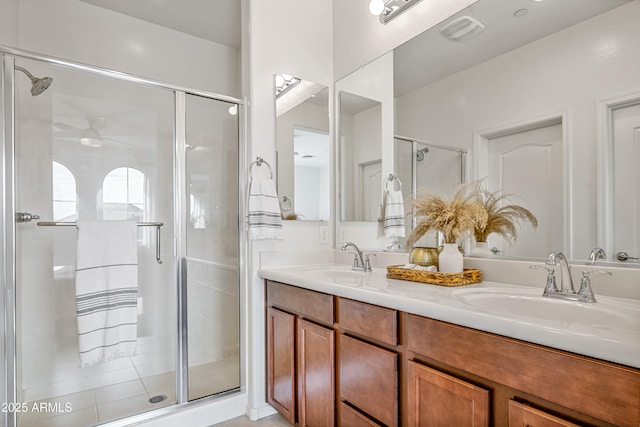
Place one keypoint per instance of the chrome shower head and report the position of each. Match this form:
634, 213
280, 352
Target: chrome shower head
38, 85
421, 152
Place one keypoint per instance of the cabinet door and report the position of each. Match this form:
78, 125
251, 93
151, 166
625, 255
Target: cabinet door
316, 373
525, 416
281, 362
369, 379
437, 399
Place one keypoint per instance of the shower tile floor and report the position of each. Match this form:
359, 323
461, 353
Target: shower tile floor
111, 402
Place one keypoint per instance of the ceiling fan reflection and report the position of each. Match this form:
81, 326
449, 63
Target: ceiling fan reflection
90, 136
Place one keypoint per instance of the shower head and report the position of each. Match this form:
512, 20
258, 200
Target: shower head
38, 85
421, 152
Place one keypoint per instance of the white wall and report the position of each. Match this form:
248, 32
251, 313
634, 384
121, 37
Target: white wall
359, 37
294, 37
9, 22
78, 31
569, 71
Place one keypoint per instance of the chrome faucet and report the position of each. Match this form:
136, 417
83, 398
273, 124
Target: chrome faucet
360, 263
585, 294
596, 254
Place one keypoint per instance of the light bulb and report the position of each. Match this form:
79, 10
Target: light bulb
376, 7
279, 80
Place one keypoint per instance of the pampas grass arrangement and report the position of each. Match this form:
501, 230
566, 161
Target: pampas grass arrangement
503, 217
452, 217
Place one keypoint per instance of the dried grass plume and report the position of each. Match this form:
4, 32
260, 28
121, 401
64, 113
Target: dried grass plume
503, 217
451, 217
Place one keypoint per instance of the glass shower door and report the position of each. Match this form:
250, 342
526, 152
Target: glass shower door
91, 147
213, 281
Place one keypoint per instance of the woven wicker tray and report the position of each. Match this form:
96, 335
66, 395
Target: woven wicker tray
467, 277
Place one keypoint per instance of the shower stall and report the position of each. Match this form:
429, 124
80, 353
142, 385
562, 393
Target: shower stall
424, 166
87, 144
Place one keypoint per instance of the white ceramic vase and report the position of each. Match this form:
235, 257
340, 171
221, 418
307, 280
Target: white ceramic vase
450, 259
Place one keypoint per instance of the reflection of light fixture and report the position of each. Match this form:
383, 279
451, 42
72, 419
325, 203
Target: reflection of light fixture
91, 137
285, 82
389, 9
233, 110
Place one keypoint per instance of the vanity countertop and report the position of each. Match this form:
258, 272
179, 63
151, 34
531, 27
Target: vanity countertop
607, 330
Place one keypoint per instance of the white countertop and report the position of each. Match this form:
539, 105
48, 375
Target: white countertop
608, 329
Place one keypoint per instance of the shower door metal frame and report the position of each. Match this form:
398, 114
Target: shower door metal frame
8, 392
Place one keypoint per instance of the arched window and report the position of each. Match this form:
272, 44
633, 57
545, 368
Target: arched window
124, 194
65, 198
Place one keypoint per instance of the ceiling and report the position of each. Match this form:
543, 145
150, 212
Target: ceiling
214, 20
430, 56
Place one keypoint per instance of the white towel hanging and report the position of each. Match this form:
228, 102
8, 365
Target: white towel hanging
106, 290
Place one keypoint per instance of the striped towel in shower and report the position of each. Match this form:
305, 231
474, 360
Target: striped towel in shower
106, 290
263, 212
393, 218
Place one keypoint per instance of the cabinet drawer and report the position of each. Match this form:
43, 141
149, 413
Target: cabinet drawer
349, 417
309, 304
375, 322
369, 379
525, 416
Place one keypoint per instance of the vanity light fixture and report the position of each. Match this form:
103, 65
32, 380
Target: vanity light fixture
285, 82
389, 9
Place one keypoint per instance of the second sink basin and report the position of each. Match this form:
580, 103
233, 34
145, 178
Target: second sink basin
608, 313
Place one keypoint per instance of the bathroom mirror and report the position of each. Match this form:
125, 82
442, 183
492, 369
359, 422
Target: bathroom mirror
536, 68
360, 157
302, 141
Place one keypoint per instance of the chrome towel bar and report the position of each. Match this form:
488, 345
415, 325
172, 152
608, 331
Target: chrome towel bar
157, 225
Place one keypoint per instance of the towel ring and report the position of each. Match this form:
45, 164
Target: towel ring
259, 161
393, 179
285, 204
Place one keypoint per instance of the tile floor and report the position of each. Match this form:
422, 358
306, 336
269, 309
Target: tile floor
108, 403
272, 421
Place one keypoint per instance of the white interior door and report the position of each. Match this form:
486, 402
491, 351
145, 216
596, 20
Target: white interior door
528, 165
626, 180
371, 190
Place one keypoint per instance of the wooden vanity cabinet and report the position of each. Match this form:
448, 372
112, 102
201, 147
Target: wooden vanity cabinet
332, 360
301, 355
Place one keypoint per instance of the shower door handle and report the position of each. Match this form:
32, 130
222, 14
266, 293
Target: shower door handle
25, 217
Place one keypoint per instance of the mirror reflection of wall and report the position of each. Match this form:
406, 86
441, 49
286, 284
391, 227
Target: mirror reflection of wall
302, 141
311, 174
360, 157
516, 74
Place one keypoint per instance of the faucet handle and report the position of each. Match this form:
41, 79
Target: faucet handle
550, 287
585, 292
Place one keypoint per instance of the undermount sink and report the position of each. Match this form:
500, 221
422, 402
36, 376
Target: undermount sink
610, 313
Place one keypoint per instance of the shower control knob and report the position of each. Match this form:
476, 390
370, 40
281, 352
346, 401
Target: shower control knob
25, 217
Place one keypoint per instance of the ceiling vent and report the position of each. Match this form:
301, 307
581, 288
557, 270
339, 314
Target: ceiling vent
462, 29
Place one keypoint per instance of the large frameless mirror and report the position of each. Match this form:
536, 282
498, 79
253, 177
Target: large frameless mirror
510, 97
